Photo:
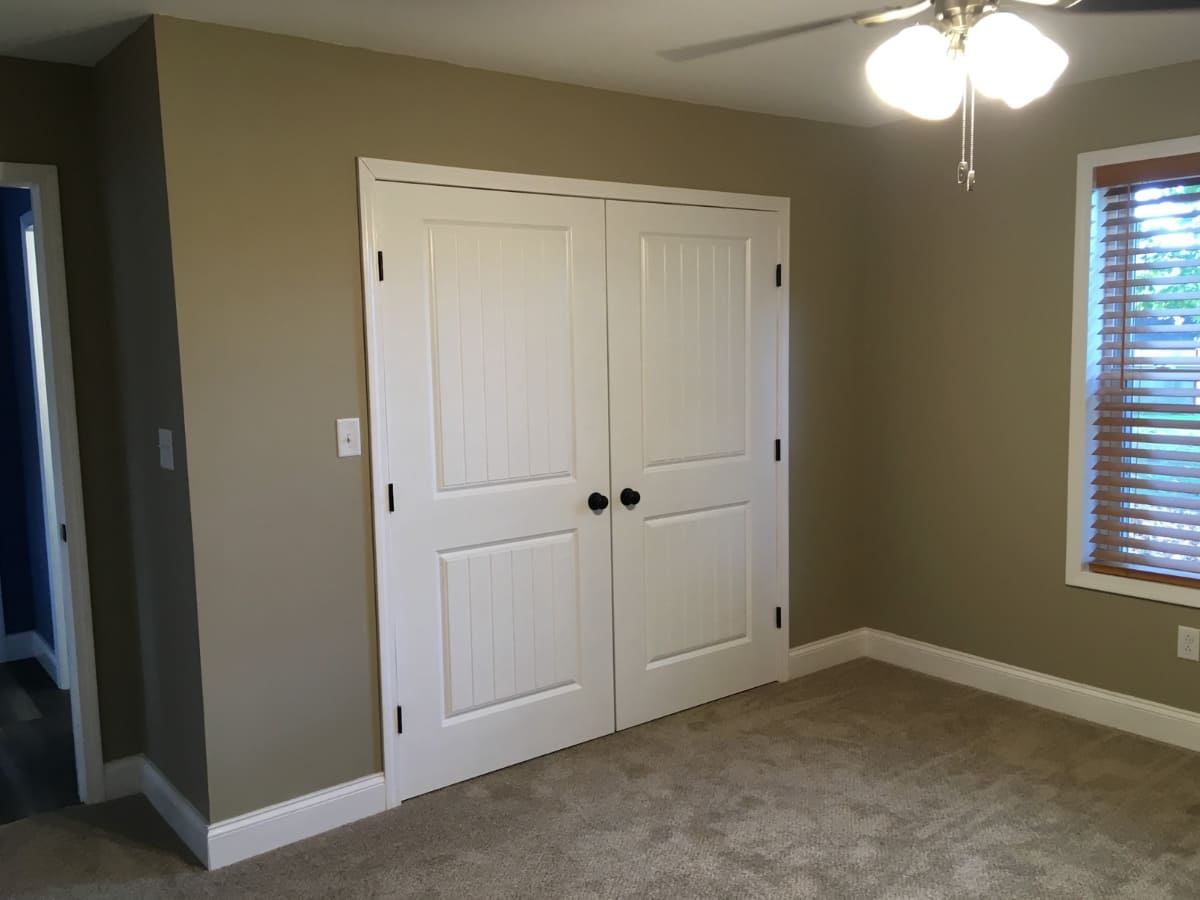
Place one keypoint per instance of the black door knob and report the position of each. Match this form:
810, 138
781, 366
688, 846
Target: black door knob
630, 497
597, 502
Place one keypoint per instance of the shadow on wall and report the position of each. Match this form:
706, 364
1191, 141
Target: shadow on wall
24, 569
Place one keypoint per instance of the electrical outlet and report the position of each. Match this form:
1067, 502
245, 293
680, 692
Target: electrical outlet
1189, 643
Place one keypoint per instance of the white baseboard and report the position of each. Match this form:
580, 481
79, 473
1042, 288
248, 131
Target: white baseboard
29, 645
1146, 718
232, 840
185, 820
830, 651
17, 646
138, 775
242, 837
1158, 721
44, 655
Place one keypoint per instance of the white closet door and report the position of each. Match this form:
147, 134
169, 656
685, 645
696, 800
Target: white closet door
499, 574
693, 324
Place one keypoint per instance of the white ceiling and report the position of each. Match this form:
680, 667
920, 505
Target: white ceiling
606, 43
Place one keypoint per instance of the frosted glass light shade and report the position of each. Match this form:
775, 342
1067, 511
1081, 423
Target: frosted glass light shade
1010, 60
916, 71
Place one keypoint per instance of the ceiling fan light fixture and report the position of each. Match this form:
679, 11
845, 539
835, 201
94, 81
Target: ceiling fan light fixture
917, 71
1009, 59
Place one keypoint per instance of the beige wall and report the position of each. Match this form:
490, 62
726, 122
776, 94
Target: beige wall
930, 343
48, 119
261, 134
969, 317
148, 351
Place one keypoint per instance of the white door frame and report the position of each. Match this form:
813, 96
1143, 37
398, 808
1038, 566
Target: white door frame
373, 171
59, 662
42, 182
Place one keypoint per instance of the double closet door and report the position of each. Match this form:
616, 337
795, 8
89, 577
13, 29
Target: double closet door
580, 402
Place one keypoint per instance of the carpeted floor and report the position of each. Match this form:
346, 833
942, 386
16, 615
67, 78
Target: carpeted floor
863, 781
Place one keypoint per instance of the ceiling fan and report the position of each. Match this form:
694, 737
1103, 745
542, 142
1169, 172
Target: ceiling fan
967, 46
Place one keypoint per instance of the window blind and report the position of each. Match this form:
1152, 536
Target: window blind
1145, 469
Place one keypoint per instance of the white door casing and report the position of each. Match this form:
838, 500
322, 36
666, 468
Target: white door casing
693, 322
52, 487
42, 182
491, 322
399, 653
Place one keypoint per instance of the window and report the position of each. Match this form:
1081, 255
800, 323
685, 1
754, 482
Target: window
1135, 443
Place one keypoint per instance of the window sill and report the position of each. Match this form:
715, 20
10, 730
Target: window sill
1080, 577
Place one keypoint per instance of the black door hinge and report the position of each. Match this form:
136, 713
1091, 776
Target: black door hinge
779, 617
391, 499
778, 450
379, 258
778, 274
63, 531
399, 720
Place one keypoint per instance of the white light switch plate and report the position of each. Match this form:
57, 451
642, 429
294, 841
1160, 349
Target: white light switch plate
166, 449
348, 439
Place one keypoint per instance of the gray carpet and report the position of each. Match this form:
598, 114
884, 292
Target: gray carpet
863, 781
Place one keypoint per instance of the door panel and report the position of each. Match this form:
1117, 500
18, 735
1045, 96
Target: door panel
693, 329
697, 592
502, 352
493, 333
511, 611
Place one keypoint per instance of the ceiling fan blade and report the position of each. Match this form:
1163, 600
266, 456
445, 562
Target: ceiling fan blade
708, 48
1115, 6
892, 13
871, 17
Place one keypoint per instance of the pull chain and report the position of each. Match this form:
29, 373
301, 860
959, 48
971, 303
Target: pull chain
963, 166
966, 164
971, 170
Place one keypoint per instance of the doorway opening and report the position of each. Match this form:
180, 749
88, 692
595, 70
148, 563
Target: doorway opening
49, 723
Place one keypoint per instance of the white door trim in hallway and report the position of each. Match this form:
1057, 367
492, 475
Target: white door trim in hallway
42, 182
371, 173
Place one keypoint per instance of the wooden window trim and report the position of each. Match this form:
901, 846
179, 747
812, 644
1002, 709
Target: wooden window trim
1147, 171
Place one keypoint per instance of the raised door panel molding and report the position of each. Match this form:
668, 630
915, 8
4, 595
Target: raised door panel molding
697, 583
694, 334
501, 315
511, 617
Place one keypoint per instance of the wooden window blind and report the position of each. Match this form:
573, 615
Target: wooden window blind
1145, 469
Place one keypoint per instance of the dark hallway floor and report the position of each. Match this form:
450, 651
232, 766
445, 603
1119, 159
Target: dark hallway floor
37, 754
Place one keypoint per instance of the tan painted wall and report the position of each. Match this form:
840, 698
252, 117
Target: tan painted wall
48, 119
148, 352
930, 341
261, 134
970, 314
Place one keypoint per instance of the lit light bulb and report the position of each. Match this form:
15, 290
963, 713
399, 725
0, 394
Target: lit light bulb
917, 72
1010, 60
